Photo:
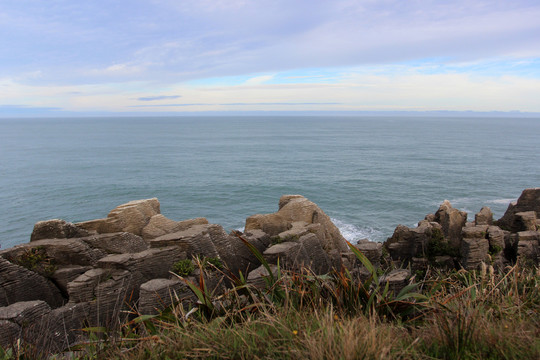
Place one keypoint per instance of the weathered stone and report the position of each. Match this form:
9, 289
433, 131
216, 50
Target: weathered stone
64, 325
19, 284
82, 289
257, 276
474, 252
317, 259
407, 243
525, 221
67, 274
529, 200
484, 217
475, 232
59, 251
452, 221
56, 229
529, 251
194, 241
372, 250
158, 294
9, 333
149, 264
130, 217
24, 313
296, 208
116, 243
396, 279
291, 255
159, 225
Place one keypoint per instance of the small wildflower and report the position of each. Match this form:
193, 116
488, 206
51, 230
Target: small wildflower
295, 332
336, 317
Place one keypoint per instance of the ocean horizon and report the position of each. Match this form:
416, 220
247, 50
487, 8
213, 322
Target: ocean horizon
368, 173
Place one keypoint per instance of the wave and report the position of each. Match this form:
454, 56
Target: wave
500, 201
352, 233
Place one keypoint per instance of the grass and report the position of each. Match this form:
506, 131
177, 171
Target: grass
299, 315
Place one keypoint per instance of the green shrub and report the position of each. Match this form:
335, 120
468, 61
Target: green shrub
438, 246
37, 260
183, 267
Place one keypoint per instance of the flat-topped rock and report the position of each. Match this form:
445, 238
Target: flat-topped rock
56, 229
159, 225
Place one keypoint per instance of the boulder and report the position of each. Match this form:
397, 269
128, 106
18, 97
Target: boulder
291, 255
407, 243
525, 221
158, 294
64, 275
529, 200
372, 250
160, 225
298, 209
452, 221
25, 313
257, 277
56, 229
528, 246
58, 251
20, 284
116, 243
9, 334
484, 217
130, 217
196, 240
396, 279
474, 251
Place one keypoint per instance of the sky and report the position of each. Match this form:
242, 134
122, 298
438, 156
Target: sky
184, 56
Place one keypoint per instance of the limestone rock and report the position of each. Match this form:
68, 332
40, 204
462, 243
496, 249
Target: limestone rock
116, 243
160, 225
130, 217
474, 251
56, 229
25, 312
529, 200
372, 250
149, 264
296, 208
67, 274
452, 221
291, 255
407, 243
317, 259
396, 279
484, 217
19, 284
158, 294
196, 240
475, 232
59, 251
257, 276
9, 333
525, 221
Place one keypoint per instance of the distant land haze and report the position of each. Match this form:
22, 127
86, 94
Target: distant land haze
368, 173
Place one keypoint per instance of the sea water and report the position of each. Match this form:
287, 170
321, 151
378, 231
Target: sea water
369, 174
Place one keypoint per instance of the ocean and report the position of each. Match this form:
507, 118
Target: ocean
369, 174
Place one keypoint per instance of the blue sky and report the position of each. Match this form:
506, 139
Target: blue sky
82, 57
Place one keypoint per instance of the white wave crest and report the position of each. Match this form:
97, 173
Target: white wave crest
501, 201
354, 233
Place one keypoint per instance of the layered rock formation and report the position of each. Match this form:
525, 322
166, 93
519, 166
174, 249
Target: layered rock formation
71, 276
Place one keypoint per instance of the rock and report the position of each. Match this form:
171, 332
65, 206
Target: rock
64, 326
475, 232
396, 279
158, 294
24, 313
528, 201
116, 243
19, 284
160, 225
317, 259
257, 276
194, 241
59, 251
130, 217
67, 274
474, 251
149, 264
407, 243
452, 221
291, 255
484, 217
56, 229
82, 289
525, 221
497, 245
296, 208
372, 250
9, 333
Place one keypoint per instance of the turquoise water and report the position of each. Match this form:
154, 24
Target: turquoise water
368, 174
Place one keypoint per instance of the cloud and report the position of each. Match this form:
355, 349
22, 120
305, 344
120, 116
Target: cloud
161, 97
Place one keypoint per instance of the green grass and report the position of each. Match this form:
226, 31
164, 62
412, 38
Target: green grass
299, 315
